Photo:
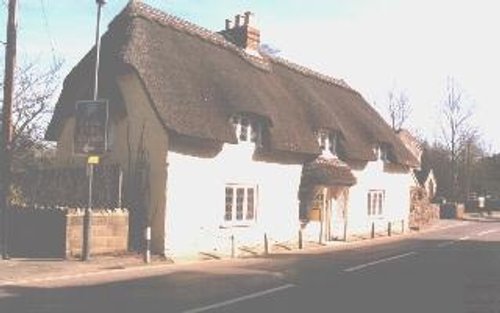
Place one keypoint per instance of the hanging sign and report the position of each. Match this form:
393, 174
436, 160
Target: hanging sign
91, 127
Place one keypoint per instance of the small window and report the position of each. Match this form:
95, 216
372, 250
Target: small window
247, 129
383, 152
327, 141
376, 200
240, 204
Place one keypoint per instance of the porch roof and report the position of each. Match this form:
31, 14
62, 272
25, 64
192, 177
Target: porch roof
327, 172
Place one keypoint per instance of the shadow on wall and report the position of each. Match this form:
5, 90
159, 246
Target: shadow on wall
57, 233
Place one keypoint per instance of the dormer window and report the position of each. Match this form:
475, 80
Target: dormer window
327, 141
247, 129
383, 152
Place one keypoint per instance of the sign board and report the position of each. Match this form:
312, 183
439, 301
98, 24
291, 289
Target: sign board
94, 159
91, 128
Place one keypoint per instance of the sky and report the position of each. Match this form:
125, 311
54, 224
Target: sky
376, 46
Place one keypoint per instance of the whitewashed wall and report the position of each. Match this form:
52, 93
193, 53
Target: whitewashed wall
196, 200
397, 199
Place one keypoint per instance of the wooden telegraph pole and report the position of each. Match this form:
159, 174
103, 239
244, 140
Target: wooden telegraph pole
8, 92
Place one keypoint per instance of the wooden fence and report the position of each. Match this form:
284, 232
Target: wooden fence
57, 232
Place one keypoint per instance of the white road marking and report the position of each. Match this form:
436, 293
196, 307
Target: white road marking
240, 299
464, 238
446, 244
392, 258
486, 232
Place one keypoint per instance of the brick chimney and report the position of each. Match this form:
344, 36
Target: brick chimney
243, 32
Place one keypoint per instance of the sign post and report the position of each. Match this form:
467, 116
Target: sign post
91, 134
90, 140
87, 225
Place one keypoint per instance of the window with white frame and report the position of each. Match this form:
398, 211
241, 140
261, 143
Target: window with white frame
241, 204
327, 141
247, 129
375, 203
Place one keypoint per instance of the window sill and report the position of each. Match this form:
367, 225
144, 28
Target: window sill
237, 225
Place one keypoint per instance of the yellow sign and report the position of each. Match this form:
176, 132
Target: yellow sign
94, 159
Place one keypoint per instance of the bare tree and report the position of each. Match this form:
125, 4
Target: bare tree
399, 109
35, 87
456, 128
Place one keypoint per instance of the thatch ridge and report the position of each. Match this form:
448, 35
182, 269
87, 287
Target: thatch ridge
196, 80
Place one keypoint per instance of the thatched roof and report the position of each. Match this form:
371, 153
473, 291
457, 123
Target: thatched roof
327, 172
196, 80
411, 142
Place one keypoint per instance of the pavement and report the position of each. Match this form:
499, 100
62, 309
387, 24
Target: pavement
493, 216
32, 270
449, 267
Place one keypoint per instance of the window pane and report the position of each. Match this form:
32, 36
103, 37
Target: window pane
380, 203
322, 141
383, 153
369, 204
244, 130
228, 216
250, 204
240, 196
374, 203
333, 144
255, 130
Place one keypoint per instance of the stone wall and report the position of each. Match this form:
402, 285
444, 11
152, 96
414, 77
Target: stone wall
422, 211
57, 233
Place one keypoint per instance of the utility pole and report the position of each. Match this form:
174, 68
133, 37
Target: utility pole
92, 160
8, 95
468, 169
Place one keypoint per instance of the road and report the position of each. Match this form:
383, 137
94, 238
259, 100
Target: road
450, 270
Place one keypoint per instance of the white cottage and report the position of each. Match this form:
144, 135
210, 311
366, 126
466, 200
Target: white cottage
220, 141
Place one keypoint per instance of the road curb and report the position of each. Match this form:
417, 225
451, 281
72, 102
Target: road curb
172, 267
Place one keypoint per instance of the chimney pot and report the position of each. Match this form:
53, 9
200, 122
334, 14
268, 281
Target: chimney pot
249, 16
229, 24
237, 20
243, 33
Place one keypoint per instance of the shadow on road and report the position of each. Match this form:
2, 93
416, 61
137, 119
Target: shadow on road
459, 277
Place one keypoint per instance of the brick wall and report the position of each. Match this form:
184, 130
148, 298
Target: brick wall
57, 232
109, 232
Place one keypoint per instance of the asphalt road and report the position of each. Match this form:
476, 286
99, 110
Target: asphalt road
451, 270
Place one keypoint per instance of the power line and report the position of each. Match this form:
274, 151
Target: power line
47, 30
